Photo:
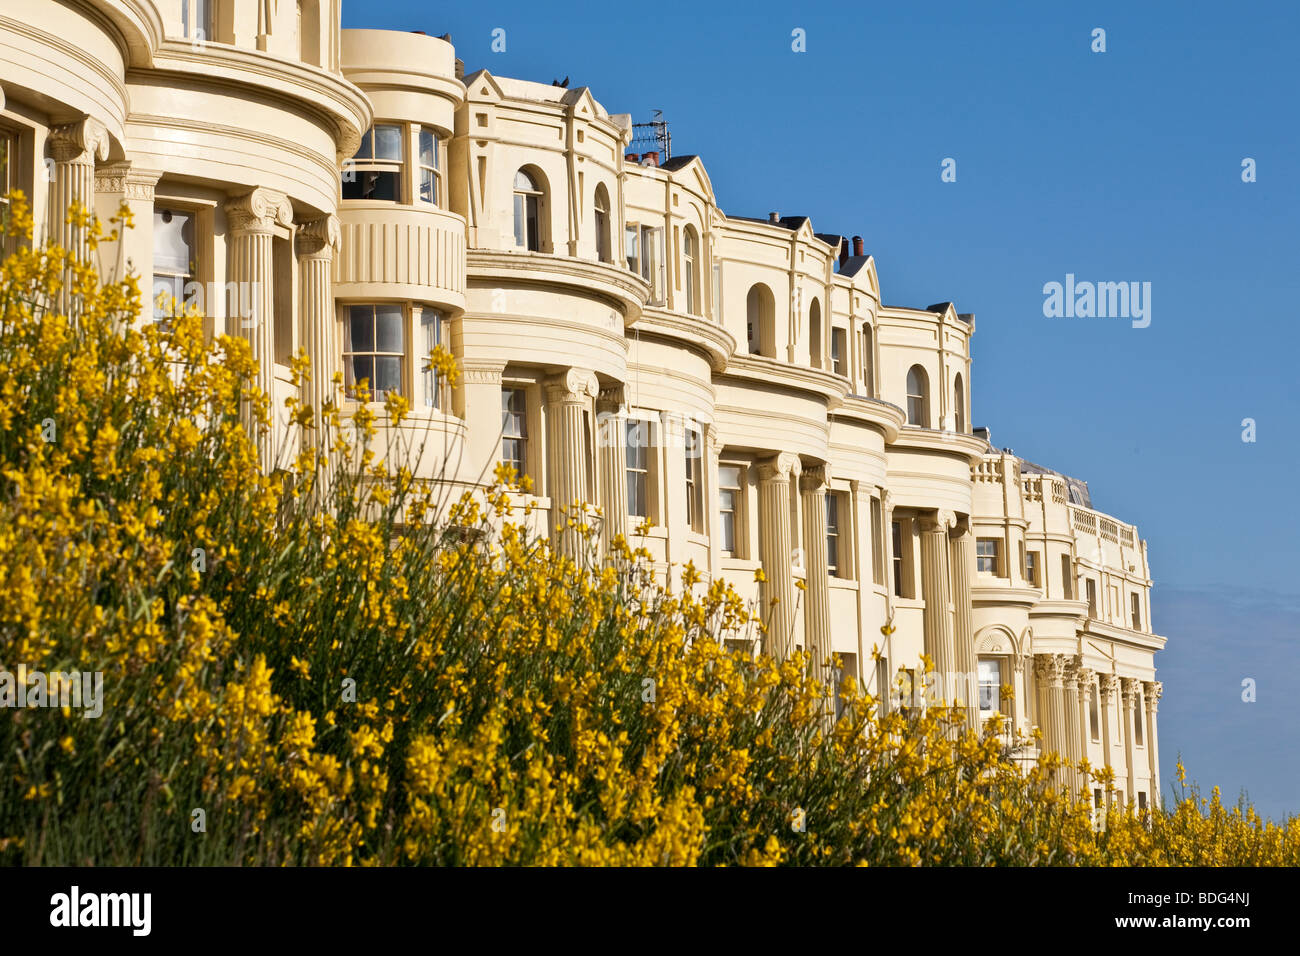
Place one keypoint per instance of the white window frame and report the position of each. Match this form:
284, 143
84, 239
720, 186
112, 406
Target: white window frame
386, 165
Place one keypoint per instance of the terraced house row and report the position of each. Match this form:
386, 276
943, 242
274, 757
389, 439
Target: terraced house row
732, 387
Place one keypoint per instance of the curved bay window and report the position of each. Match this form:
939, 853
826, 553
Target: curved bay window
528, 197
691, 270
918, 401
374, 350
375, 170
600, 208
430, 188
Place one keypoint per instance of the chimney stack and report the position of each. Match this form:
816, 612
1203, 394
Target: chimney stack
844, 249
773, 217
857, 246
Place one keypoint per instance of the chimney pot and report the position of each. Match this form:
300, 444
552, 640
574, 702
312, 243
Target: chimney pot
650, 159
633, 157
844, 250
857, 245
773, 217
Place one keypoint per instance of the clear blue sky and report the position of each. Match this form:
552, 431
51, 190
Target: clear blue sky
1115, 166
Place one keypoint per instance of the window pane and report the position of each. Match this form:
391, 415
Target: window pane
388, 324
428, 190
388, 375
729, 476
360, 330
388, 142
173, 241
525, 182
428, 148
363, 369
365, 150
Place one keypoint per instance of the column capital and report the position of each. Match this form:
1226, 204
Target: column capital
258, 211
1107, 684
612, 399
319, 238
573, 386
1151, 691
713, 439
815, 479
481, 373
779, 467
939, 522
1050, 668
85, 139
122, 179
886, 500
1085, 679
1128, 692
1071, 676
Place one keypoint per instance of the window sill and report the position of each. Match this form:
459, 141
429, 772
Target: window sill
694, 537
740, 564
842, 584
654, 531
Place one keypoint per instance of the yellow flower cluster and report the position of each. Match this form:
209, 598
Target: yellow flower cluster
337, 666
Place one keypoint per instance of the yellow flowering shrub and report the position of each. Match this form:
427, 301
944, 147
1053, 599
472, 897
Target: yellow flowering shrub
354, 671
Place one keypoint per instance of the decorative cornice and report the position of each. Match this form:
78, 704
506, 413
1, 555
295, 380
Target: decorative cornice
85, 141
258, 211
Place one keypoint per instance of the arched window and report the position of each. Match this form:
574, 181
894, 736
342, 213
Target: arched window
918, 399
868, 362
691, 270
815, 334
528, 205
604, 247
958, 406
760, 321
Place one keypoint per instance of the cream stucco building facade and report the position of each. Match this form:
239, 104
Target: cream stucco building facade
737, 385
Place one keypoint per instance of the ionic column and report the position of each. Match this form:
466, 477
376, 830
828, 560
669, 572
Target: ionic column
1128, 696
611, 451
74, 148
1085, 678
936, 589
1049, 673
1151, 691
961, 564
775, 548
1071, 726
568, 399
318, 240
251, 220
1106, 685
817, 611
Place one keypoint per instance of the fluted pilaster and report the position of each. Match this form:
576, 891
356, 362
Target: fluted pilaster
817, 611
74, 147
251, 220
1151, 693
1049, 673
776, 545
1128, 697
1084, 690
1106, 687
568, 400
318, 240
611, 439
961, 566
936, 588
